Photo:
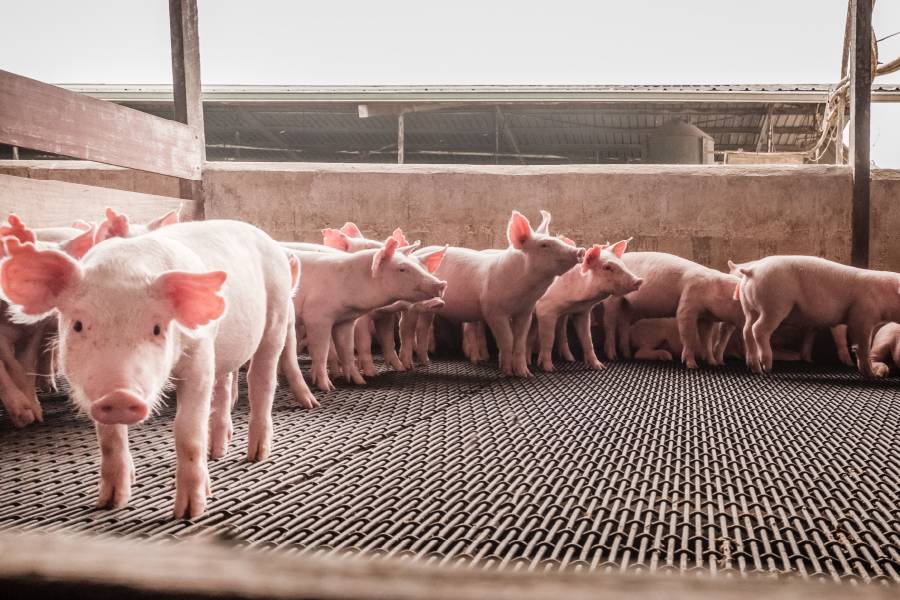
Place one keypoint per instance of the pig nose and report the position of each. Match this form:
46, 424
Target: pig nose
636, 285
120, 407
580, 254
439, 288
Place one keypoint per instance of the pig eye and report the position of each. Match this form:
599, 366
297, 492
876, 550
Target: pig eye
544, 245
402, 269
607, 267
77, 326
156, 330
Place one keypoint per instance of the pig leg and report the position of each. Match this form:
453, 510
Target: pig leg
193, 395
520, 326
762, 330
611, 309
879, 356
220, 426
468, 347
15, 369
234, 389
116, 466
363, 341
385, 328
22, 411
481, 338
343, 337
644, 353
423, 337
839, 334
562, 339
408, 324
291, 369
547, 334
318, 336
582, 322
30, 356
809, 338
751, 352
502, 330
261, 381
723, 336
432, 342
687, 317
860, 328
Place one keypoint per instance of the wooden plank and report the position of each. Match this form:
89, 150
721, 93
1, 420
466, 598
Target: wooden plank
44, 117
44, 203
188, 96
860, 117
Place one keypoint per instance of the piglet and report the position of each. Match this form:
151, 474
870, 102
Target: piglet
659, 339
885, 349
337, 289
575, 293
183, 306
500, 287
813, 292
118, 225
673, 287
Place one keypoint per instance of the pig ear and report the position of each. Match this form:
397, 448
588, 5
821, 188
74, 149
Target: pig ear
81, 224
116, 225
335, 238
351, 230
591, 257
433, 261
619, 247
544, 227
170, 218
401, 239
194, 297
18, 230
383, 254
33, 280
78, 246
407, 250
519, 230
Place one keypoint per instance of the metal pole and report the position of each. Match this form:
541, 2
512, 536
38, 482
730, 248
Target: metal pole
860, 115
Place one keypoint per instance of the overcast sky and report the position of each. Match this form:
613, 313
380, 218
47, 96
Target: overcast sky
460, 42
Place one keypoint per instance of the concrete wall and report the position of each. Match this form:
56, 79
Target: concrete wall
706, 213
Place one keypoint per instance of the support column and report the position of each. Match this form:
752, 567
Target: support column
860, 116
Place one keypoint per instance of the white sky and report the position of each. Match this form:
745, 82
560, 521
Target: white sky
460, 42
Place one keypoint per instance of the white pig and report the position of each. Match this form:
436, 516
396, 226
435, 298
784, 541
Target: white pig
574, 293
501, 288
814, 292
336, 289
885, 349
673, 287
187, 304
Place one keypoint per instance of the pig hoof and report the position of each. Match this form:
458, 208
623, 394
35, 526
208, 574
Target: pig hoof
307, 400
259, 443
191, 491
547, 367
596, 365
115, 487
880, 370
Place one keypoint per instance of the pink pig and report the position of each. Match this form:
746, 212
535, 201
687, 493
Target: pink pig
574, 293
117, 225
185, 305
673, 287
813, 293
885, 349
337, 289
500, 287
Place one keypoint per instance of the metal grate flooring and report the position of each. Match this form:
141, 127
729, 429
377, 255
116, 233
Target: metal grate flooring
643, 467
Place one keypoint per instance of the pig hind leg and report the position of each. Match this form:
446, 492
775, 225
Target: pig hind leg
860, 328
688, 330
611, 309
408, 323
423, 337
520, 326
839, 335
385, 328
481, 338
547, 335
343, 338
770, 317
291, 368
562, 339
261, 381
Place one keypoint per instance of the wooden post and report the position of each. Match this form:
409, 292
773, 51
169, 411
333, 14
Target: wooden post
15, 152
860, 114
186, 82
401, 134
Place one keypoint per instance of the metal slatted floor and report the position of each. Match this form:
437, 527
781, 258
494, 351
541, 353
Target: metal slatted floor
643, 467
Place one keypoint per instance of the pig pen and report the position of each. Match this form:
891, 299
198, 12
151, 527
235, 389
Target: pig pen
482, 486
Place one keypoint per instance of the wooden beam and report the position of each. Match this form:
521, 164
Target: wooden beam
45, 117
401, 138
185, 42
50, 203
860, 116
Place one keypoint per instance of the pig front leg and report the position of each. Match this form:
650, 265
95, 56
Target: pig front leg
385, 328
116, 466
809, 338
503, 334
520, 326
687, 317
193, 395
318, 336
221, 428
582, 322
879, 356
423, 337
343, 338
362, 333
611, 309
839, 335
481, 342
547, 335
408, 324
21, 409
860, 327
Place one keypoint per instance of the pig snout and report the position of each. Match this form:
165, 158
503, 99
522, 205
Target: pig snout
636, 284
579, 254
120, 407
